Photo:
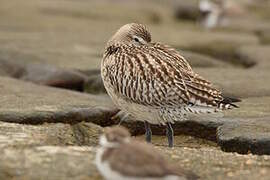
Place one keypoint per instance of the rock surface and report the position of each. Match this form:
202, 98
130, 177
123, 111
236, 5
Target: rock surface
50, 133
242, 83
250, 136
48, 162
258, 54
43, 74
23, 102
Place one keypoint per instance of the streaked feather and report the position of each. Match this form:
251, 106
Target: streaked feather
157, 76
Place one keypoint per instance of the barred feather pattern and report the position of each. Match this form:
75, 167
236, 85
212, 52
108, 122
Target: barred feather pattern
154, 83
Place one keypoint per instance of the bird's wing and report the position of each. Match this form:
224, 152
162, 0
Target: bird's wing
200, 91
157, 75
140, 160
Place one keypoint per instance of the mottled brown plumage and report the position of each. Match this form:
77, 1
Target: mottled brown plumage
152, 81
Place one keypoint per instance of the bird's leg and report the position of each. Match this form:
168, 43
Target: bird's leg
148, 132
169, 133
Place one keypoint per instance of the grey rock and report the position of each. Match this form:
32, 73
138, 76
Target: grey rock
53, 76
265, 36
186, 10
237, 82
200, 60
259, 54
48, 162
245, 136
24, 102
221, 46
94, 84
48, 134
42, 74
211, 163
86, 133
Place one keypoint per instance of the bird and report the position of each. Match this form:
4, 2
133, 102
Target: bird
120, 157
154, 83
211, 13
216, 13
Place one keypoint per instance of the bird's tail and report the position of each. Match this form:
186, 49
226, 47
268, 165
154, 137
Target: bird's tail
228, 103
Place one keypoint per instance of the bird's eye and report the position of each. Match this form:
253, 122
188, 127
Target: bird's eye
136, 39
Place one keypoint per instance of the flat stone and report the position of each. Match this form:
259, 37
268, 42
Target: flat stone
259, 54
221, 45
76, 162
86, 133
42, 74
43, 151
200, 60
186, 10
48, 134
242, 83
265, 36
24, 102
211, 163
253, 107
94, 84
33, 39
73, 23
21, 135
246, 23
48, 162
245, 136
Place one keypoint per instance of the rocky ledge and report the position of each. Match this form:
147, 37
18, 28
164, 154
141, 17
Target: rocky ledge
53, 105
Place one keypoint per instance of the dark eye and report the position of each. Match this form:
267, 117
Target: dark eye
136, 39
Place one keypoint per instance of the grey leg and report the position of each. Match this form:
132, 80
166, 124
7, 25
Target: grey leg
169, 133
148, 132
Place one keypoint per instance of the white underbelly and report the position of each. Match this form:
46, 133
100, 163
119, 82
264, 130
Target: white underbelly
153, 115
140, 112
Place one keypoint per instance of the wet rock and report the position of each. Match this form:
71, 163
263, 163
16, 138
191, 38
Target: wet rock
23, 102
245, 136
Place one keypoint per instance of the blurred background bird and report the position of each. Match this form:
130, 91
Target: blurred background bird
120, 157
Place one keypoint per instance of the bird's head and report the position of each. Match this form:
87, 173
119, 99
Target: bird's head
114, 136
132, 33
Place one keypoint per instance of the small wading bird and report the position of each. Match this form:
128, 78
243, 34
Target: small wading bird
122, 158
154, 83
